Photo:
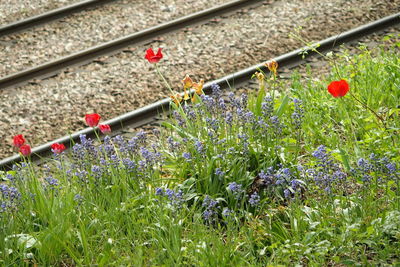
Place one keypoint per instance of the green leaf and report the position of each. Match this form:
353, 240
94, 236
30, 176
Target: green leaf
345, 159
282, 106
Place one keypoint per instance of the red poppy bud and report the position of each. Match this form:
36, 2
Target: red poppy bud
151, 57
105, 128
25, 150
18, 140
338, 88
57, 148
92, 119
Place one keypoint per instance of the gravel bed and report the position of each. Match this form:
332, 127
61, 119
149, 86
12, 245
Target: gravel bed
14, 10
88, 28
117, 84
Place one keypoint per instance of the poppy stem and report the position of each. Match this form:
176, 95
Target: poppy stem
382, 120
163, 78
368, 108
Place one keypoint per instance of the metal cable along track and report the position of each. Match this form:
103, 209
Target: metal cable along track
49, 16
144, 115
146, 35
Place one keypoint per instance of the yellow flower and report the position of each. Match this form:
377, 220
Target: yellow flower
272, 65
187, 82
198, 87
259, 76
185, 95
176, 98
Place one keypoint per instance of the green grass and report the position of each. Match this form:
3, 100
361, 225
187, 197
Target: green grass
285, 176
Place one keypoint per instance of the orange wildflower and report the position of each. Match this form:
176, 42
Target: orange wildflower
187, 82
198, 87
176, 98
272, 65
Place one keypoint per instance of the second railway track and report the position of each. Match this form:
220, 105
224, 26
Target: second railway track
51, 15
113, 85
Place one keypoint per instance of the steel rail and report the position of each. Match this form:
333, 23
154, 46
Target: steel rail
144, 115
146, 35
49, 16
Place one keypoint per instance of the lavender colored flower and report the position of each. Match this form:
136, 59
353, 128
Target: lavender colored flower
10, 198
276, 125
326, 173
115, 161
236, 190
211, 207
221, 104
78, 198
229, 118
209, 102
191, 114
130, 165
10, 177
150, 157
267, 107
78, 152
216, 90
121, 143
187, 156
142, 165
287, 193
97, 171
82, 175
364, 165
227, 212
133, 144
391, 168
141, 137
172, 144
234, 101
87, 143
219, 172
221, 141
159, 191
52, 183
267, 177
199, 147
254, 199
298, 113
179, 119
175, 197
213, 123
262, 125
249, 117
243, 100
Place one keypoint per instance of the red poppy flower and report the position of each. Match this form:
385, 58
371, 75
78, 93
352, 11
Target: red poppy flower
25, 150
57, 148
338, 88
151, 57
105, 128
92, 119
18, 140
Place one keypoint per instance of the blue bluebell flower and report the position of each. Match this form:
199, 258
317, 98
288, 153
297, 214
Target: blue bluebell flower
254, 199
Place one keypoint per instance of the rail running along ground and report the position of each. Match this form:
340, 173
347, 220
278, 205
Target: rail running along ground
49, 16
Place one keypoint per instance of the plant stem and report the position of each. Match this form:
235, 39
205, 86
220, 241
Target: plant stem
163, 78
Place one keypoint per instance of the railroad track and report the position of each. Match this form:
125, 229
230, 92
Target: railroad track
49, 16
87, 55
150, 113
